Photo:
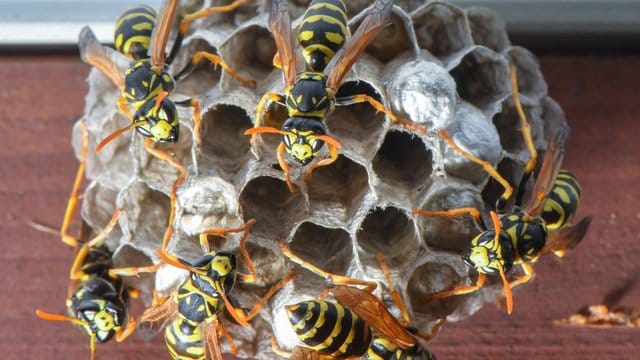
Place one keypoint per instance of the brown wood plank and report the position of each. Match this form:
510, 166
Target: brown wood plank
42, 96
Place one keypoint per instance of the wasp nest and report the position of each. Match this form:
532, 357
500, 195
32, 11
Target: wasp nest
435, 64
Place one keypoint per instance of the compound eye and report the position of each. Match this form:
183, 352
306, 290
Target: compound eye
288, 140
316, 145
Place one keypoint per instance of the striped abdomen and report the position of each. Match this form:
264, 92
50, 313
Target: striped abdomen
322, 32
184, 340
528, 235
562, 202
385, 349
329, 328
133, 31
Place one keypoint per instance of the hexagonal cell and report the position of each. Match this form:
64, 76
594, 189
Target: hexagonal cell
449, 233
420, 90
128, 256
270, 266
269, 201
142, 209
442, 29
223, 139
530, 80
553, 118
428, 279
337, 190
103, 205
250, 50
508, 124
388, 231
392, 40
358, 127
203, 76
403, 162
329, 249
475, 134
487, 29
483, 79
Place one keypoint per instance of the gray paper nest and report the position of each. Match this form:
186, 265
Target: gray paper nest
435, 64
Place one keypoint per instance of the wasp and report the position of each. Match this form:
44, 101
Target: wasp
146, 83
310, 95
529, 230
98, 300
345, 329
190, 315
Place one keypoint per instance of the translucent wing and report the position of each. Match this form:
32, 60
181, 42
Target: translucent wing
280, 25
548, 173
301, 353
212, 342
100, 57
338, 67
375, 313
566, 238
157, 316
161, 31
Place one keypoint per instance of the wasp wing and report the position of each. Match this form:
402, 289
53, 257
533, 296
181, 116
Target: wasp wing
161, 31
338, 67
548, 172
566, 238
157, 316
212, 342
280, 25
100, 57
301, 353
375, 313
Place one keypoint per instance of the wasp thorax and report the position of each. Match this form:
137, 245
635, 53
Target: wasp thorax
309, 96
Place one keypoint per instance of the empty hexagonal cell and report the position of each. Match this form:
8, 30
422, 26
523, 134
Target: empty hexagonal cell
270, 266
431, 278
403, 162
388, 231
99, 206
329, 249
250, 50
392, 40
483, 78
223, 139
530, 80
336, 190
453, 233
269, 201
358, 127
512, 171
487, 29
508, 124
203, 76
442, 29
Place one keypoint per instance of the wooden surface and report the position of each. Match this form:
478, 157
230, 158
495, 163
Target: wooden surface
40, 98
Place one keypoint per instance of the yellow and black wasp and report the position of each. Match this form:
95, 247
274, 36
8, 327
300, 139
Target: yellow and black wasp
345, 329
146, 84
310, 95
530, 230
190, 314
98, 300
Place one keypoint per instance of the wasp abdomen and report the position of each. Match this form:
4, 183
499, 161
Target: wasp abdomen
562, 202
322, 32
132, 36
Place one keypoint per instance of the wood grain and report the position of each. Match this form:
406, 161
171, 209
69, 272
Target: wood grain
41, 97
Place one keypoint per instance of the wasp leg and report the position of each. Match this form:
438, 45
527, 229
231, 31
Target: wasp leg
184, 24
72, 203
243, 318
122, 334
475, 213
163, 155
462, 289
525, 128
285, 167
232, 345
508, 189
380, 107
397, 299
204, 243
262, 107
122, 105
197, 117
215, 60
334, 278
528, 275
333, 147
